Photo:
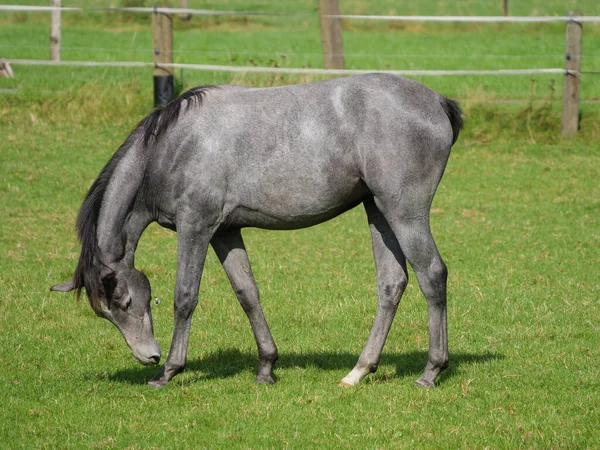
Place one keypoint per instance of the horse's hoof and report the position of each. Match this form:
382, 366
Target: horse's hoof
264, 379
159, 383
424, 384
159, 380
345, 384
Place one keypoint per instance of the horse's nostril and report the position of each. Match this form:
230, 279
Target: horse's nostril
155, 359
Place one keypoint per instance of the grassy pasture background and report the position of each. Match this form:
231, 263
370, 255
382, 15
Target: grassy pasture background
516, 219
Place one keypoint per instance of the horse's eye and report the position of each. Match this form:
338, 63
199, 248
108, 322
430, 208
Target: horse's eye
127, 303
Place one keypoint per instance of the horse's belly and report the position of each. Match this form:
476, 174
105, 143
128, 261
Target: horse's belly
286, 209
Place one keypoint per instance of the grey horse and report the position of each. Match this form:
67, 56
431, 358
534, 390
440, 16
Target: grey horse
221, 158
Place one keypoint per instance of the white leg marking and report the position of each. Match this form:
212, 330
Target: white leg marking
353, 378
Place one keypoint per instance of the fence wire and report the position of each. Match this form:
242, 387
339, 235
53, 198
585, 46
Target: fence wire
285, 53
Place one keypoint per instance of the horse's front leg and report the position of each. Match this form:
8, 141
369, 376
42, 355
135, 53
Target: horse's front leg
192, 247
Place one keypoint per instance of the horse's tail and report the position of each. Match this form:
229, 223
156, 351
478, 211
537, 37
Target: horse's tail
454, 114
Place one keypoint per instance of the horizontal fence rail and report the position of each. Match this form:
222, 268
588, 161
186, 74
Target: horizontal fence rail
161, 10
472, 19
210, 12
284, 70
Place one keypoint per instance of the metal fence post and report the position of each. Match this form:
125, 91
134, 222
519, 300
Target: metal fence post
162, 43
570, 113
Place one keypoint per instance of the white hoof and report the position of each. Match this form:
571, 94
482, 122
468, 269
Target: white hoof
352, 379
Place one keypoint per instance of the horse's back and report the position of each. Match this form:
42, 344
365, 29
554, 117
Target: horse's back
293, 156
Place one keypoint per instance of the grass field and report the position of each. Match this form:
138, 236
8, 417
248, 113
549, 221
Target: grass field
517, 219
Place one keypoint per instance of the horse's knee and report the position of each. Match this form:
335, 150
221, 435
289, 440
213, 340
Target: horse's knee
390, 292
185, 304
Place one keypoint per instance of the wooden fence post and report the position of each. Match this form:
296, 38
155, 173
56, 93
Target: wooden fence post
505, 8
570, 113
55, 32
185, 4
162, 42
331, 34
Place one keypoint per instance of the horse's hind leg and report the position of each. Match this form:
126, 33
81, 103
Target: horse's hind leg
392, 278
231, 251
416, 241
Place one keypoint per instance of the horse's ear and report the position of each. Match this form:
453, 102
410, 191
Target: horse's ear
68, 286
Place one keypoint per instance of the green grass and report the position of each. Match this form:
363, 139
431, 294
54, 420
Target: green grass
516, 218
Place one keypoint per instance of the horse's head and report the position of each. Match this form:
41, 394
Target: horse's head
124, 299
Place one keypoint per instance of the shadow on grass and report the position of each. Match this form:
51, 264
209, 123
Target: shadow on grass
227, 363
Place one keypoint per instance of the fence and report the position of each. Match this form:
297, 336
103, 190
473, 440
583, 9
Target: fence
332, 48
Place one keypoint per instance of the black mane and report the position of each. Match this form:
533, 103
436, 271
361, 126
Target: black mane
87, 273
153, 126
162, 118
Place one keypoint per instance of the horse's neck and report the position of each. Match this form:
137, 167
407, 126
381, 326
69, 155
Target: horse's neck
122, 219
